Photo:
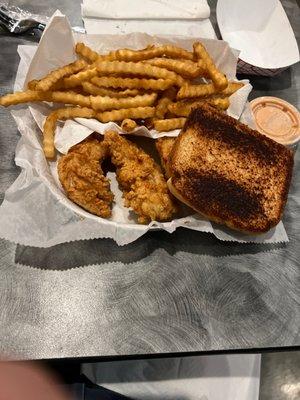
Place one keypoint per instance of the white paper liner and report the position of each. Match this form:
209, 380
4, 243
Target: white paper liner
35, 210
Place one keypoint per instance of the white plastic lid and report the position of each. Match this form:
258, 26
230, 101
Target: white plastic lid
277, 119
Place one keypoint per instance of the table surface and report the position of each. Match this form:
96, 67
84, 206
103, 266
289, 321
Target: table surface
184, 292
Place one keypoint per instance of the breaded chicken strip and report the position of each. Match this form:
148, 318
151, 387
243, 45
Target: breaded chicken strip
82, 178
164, 146
144, 187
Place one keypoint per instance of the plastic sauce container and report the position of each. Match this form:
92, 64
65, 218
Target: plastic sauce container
278, 120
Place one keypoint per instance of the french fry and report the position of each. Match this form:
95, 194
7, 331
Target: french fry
152, 52
132, 113
50, 124
84, 51
47, 82
76, 79
128, 125
31, 85
70, 98
74, 112
187, 69
138, 68
201, 90
91, 55
203, 70
95, 90
132, 83
165, 125
183, 108
24, 97
59, 85
207, 89
48, 135
33, 95
109, 103
220, 81
231, 88
162, 105
221, 103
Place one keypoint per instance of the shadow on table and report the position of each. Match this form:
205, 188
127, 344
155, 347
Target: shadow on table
83, 253
261, 83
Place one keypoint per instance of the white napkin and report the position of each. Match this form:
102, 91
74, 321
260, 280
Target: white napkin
146, 9
164, 17
234, 377
198, 29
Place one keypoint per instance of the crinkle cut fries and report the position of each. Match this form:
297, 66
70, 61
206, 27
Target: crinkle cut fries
158, 85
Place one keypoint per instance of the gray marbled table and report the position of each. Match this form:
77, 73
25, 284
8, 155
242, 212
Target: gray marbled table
185, 292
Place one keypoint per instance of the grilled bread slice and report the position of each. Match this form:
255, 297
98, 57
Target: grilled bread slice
230, 173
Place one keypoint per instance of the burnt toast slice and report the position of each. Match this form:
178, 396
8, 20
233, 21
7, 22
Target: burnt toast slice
230, 173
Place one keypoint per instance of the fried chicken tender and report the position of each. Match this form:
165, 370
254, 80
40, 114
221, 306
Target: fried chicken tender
164, 146
82, 178
141, 180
